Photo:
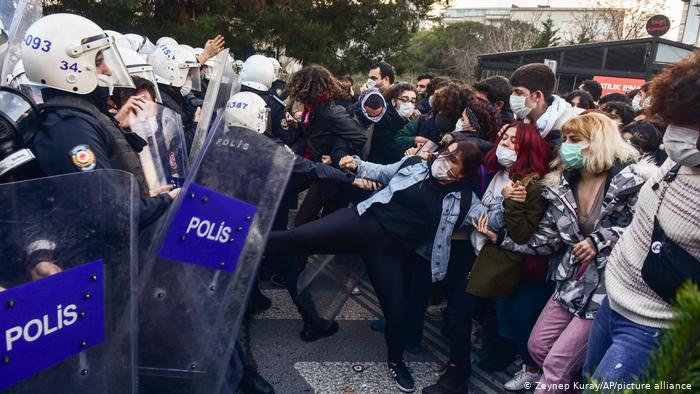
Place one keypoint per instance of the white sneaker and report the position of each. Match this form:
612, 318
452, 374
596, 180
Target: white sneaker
356, 291
523, 380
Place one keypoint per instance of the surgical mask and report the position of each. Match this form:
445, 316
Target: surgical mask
106, 82
517, 104
458, 125
186, 88
506, 157
636, 103
681, 145
405, 109
441, 169
371, 83
571, 155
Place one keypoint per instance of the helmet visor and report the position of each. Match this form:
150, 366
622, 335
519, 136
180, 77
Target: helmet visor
146, 72
118, 73
196, 76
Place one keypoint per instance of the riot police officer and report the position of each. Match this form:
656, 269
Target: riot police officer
177, 73
257, 76
79, 66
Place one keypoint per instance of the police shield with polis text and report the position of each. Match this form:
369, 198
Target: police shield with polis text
197, 276
219, 89
26, 13
67, 284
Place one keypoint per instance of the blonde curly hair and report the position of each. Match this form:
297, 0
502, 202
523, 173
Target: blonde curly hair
607, 146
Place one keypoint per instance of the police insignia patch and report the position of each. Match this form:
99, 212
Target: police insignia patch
284, 124
83, 158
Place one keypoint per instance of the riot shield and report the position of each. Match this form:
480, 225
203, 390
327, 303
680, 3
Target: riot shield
27, 12
67, 303
327, 282
221, 81
164, 159
196, 279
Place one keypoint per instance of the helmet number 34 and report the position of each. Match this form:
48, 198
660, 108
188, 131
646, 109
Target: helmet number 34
65, 66
37, 43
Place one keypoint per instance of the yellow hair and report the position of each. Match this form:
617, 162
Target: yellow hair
607, 145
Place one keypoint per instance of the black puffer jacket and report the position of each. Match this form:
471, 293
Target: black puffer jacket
383, 151
329, 122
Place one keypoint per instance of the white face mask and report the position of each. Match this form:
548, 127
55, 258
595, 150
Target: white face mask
106, 81
371, 83
441, 169
681, 145
636, 103
405, 109
506, 157
517, 104
186, 88
458, 125
578, 111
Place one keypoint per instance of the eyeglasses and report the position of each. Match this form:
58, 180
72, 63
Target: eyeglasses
407, 99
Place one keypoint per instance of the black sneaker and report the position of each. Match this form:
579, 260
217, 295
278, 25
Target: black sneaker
277, 280
402, 376
312, 332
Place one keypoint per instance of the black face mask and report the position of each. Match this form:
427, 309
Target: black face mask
444, 124
99, 98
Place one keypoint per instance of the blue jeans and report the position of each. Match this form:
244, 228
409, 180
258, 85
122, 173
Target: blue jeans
618, 349
518, 312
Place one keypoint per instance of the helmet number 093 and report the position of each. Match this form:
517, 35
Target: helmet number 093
37, 43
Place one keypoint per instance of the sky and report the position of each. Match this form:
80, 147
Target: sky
674, 8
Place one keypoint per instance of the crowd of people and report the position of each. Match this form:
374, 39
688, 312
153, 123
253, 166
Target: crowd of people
532, 216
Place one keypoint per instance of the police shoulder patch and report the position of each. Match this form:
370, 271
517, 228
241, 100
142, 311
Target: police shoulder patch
284, 124
83, 157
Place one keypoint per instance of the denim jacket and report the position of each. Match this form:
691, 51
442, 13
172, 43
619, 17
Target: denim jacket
395, 179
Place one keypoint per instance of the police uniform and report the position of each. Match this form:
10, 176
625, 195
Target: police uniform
172, 98
74, 135
279, 127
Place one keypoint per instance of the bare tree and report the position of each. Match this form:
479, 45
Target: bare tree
623, 21
509, 36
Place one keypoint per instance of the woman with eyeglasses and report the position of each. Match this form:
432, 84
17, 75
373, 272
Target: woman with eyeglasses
402, 97
408, 222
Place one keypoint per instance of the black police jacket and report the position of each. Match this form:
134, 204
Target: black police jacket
71, 140
172, 98
279, 127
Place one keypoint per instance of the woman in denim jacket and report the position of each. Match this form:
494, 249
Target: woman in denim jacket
408, 221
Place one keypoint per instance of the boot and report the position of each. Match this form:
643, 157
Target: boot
253, 383
452, 381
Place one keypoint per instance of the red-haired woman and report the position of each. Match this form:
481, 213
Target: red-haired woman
518, 161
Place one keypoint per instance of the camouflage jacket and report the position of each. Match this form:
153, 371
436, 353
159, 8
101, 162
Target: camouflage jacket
581, 292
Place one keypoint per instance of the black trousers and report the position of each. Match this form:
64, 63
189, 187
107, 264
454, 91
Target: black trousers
389, 263
461, 306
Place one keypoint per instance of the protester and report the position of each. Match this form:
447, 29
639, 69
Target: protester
424, 106
580, 100
593, 88
610, 97
381, 76
518, 161
634, 316
592, 194
620, 112
396, 228
646, 138
496, 90
402, 97
533, 100
448, 104
481, 118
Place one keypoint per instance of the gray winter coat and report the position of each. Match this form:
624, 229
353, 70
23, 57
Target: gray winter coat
581, 293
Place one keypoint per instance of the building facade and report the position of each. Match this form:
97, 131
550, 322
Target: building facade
568, 21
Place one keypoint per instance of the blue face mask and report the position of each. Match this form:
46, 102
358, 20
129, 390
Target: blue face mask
571, 155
